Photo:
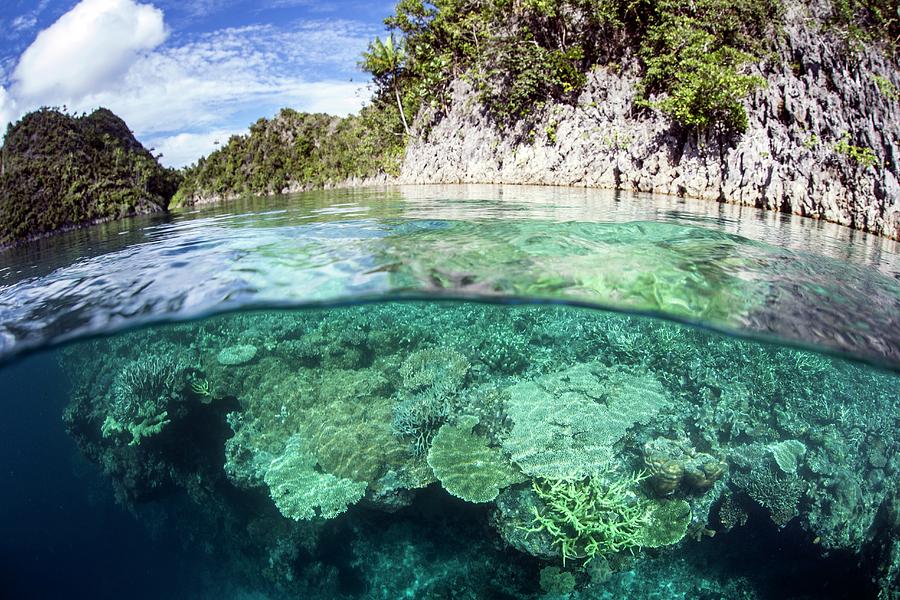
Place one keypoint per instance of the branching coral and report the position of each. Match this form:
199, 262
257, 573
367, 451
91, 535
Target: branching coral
591, 517
141, 394
431, 380
781, 495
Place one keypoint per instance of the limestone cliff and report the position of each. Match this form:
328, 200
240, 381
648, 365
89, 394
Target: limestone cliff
823, 138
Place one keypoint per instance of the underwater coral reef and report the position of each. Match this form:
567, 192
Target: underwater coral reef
467, 450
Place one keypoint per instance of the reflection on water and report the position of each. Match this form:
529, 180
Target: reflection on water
725, 266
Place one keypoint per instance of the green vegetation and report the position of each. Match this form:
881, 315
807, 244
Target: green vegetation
694, 59
58, 171
518, 56
297, 149
861, 155
887, 89
591, 517
385, 61
694, 54
867, 20
522, 54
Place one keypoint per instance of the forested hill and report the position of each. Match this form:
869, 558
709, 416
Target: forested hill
59, 171
791, 105
295, 151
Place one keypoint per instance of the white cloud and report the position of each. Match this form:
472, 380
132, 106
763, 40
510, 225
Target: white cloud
251, 70
7, 110
184, 148
88, 48
181, 98
23, 22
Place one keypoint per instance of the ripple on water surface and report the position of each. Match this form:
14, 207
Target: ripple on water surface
727, 267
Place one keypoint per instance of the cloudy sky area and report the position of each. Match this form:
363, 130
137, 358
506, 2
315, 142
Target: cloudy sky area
185, 73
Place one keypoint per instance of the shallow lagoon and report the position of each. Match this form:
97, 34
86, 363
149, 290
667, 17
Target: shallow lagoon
448, 437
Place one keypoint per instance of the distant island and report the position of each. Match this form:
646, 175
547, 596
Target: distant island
789, 105
59, 171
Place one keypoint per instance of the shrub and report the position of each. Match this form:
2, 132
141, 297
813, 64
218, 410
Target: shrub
861, 155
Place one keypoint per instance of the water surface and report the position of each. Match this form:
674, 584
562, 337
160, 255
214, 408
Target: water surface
467, 392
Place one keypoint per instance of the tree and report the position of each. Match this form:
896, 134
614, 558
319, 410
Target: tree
386, 61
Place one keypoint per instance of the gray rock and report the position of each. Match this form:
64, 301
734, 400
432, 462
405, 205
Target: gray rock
816, 93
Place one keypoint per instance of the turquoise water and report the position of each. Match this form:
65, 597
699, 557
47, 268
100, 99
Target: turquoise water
467, 392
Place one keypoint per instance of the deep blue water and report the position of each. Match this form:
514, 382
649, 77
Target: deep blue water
63, 534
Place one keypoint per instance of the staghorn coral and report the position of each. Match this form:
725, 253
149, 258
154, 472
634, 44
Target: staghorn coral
731, 513
590, 517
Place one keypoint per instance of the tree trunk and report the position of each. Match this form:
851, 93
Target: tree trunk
400, 106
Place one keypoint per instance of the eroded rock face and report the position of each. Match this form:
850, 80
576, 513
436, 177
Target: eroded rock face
817, 93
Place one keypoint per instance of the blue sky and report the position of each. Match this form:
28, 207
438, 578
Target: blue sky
185, 74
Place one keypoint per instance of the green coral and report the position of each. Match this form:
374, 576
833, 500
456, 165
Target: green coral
236, 355
779, 495
138, 429
431, 380
667, 524
556, 582
593, 516
440, 371
301, 492
352, 437
565, 424
466, 466
141, 395
787, 454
